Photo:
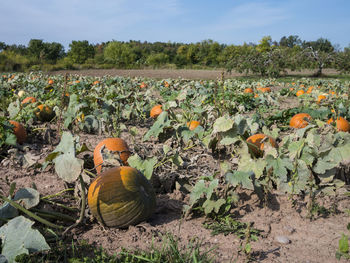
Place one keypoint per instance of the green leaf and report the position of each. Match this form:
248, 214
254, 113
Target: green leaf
222, 124
73, 108
240, 178
19, 238
198, 190
144, 166
7, 211
68, 167
213, 205
344, 244
67, 143
11, 139
212, 186
158, 126
13, 109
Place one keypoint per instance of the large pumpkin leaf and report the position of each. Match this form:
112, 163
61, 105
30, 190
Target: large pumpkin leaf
28, 197
240, 178
18, 237
222, 124
68, 167
158, 127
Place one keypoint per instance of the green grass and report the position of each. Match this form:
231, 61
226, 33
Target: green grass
82, 252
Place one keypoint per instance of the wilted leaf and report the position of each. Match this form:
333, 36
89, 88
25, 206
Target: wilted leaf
19, 238
213, 205
222, 124
68, 167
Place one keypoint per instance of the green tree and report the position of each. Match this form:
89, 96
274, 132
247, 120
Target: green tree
80, 51
290, 41
157, 59
119, 54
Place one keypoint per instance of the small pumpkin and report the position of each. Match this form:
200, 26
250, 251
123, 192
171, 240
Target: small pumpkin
320, 98
44, 113
156, 111
19, 131
309, 90
107, 149
248, 90
50, 81
28, 100
300, 92
193, 125
96, 82
256, 143
121, 196
341, 124
266, 89
300, 120
143, 85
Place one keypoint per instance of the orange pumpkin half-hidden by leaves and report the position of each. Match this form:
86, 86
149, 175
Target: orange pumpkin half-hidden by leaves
111, 151
256, 143
19, 131
341, 124
156, 111
248, 90
121, 196
28, 100
300, 120
300, 92
192, 125
44, 113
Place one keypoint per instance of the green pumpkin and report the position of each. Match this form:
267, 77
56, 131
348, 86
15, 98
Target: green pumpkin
120, 197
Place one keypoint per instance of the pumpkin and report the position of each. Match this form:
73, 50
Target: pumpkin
105, 151
44, 113
19, 131
193, 125
300, 92
256, 143
248, 90
50, 81
96, 82
341, 123
121, 196
28, 100
267, 89
156, 111
320, 98
300, 120
309, 90
143, 85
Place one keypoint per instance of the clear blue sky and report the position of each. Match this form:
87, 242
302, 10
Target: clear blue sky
186, 21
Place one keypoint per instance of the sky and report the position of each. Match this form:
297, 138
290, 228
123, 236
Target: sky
185, 21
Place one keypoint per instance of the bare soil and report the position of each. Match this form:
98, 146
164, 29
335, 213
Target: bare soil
308, 240
174, 73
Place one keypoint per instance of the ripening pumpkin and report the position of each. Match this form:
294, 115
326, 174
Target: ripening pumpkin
143, 85
28, 100
121, 196
193, 125
44, 113
266, 89
50, 81
309, 90
106, 149
156, 111
320, 98
19, 131
248, 90
256, 143
300, 120
96, 82
300, 92
341, 124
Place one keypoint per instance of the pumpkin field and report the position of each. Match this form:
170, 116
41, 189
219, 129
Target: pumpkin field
137, 169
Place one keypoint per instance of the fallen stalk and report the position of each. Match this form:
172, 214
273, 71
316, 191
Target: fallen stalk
29, 213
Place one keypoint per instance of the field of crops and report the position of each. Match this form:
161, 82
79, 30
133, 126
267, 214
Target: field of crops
240, 170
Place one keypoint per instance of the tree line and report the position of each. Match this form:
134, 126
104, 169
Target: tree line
266, 58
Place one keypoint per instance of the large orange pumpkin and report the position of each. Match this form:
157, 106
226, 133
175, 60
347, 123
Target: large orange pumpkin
300, 120
193, 125
111, 149
341, 123
19, 131
156, 111
256, 143
121, 196
28, 100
